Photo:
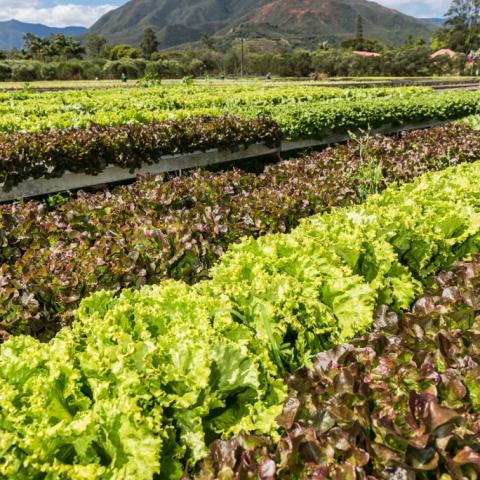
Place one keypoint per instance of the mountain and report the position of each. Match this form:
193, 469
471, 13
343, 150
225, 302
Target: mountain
436, 22
12, 32
180, 22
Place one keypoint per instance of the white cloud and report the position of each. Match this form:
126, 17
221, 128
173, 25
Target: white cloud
419, 8
55, 16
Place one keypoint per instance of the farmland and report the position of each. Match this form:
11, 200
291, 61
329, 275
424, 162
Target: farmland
48, 134
311, 317
262, 311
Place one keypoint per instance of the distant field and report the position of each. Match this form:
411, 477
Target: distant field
67, 84
108, 84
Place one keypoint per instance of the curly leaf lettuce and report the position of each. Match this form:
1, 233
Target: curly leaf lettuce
136, 387
319, 285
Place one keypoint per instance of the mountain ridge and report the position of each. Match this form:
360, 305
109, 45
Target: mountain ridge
12, 32
436, 22
182, 22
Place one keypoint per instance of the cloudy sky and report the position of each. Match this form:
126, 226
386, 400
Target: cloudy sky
84, 12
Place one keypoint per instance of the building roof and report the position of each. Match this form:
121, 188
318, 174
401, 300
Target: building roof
366, 54
443, 51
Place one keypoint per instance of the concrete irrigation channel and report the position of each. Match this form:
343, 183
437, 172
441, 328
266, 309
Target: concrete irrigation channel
175, 163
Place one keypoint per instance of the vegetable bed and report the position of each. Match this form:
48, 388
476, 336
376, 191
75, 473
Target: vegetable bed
27, 111
46, 135
142, 382
55, 253
400, 402
50, 154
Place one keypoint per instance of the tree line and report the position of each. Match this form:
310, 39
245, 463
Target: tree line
64, 58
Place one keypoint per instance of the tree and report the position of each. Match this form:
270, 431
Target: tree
57, 46
95, 45
410, 60
461, 31
463, 13
208, 42
64, 47
149, 44
35, 47
124, 51
359, 38
369, 45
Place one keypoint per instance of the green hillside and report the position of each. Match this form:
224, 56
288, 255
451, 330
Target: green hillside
179, 22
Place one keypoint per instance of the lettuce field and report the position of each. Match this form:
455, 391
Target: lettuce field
313, 318
48, 134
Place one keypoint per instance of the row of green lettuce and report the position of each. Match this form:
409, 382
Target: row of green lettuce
143, 381
29, 111
319, 120
139, 142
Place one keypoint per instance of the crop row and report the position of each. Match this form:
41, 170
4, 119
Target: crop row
30, 111
318, 120
400, 402
53, 255
143, 381
50, 153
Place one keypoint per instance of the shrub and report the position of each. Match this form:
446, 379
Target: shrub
26, 72
49, 71
5, 72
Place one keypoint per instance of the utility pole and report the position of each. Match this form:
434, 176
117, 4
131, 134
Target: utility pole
242, 58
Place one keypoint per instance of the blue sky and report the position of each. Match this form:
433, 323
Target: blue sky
84, 12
